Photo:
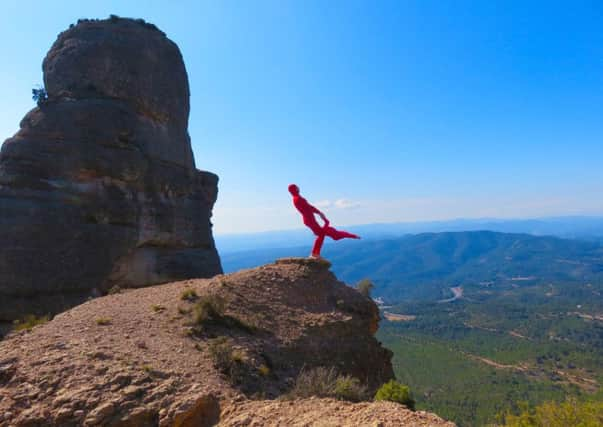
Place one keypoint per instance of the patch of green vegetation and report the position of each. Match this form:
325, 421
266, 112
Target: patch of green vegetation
365, 286
570, 413
39, 95
264, 370
350, 389
393, 391
457, 387
157, 308
29, 322
103, 321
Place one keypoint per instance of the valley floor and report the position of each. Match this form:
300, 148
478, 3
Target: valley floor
471, 359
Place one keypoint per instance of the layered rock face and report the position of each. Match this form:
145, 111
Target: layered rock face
99, 186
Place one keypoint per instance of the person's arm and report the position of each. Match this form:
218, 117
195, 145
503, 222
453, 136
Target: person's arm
319, 213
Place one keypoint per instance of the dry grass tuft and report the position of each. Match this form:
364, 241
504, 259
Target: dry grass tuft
326, 382
103, 321
29, 322
189, 295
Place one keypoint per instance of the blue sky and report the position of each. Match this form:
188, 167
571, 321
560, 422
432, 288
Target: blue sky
380, 111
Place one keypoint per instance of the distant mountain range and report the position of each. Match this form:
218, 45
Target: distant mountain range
569, 227
426, 265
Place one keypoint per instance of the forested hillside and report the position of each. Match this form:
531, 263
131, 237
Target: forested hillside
425, 266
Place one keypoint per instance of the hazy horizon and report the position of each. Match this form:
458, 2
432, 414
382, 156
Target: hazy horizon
301, 227
585, 228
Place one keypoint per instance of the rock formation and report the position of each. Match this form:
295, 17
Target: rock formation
99, 188
151, 356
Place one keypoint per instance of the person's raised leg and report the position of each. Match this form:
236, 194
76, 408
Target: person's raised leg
346, 235
338, 234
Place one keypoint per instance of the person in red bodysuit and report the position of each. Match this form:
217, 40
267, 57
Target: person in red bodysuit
308, 211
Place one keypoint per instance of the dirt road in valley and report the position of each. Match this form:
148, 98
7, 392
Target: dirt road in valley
457, 293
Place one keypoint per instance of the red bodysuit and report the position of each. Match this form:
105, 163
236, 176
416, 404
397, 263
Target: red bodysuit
308, 211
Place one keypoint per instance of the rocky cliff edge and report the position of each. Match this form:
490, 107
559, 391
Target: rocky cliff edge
202, 352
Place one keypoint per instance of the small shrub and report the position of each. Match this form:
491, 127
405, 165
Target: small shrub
227, 359
396, 392
209, 311
103, 321
237, 356
350, 388
29, 322
220, 351
157, 308
209, 308
189, 295
264, 370
114, 290
39, 95
233, 322
319, 382
183, 310
325, 382
365, 286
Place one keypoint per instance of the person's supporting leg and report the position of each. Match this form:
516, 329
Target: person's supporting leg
318, 245
338, 234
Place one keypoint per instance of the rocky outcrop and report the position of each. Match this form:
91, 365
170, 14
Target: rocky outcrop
327, 412
154, 356
99, 188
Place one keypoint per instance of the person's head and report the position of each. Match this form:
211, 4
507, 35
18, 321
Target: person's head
294, 190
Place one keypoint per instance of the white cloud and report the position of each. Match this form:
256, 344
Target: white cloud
345, 204
337, 204
323, 204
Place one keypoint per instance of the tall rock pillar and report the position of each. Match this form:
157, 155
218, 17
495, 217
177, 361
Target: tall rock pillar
99, 187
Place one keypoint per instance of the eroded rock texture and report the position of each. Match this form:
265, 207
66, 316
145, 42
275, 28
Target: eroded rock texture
99, 186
